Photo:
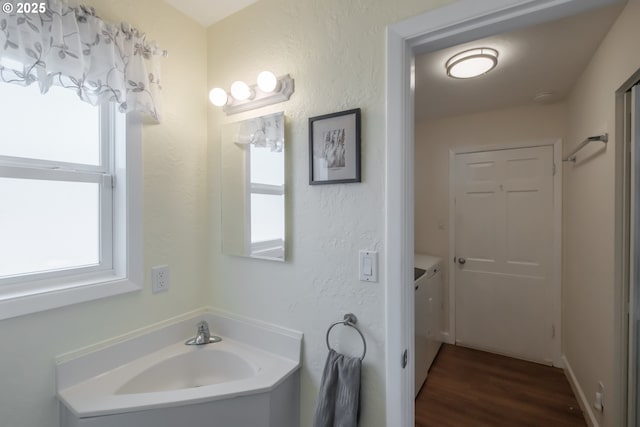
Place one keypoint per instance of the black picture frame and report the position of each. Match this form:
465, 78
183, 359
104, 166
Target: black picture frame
334, 148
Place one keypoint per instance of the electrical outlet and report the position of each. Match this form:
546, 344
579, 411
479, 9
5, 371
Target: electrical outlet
159, 278
598, 403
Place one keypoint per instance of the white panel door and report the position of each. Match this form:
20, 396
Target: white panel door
504, 247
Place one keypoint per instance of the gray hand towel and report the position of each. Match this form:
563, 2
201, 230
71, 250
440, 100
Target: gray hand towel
339, 396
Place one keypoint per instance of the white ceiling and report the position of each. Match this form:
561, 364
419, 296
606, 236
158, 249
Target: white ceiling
208, 12
548, 57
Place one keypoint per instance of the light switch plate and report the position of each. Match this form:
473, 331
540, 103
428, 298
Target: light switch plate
368, 266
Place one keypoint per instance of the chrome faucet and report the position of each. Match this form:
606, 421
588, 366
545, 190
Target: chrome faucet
203, 336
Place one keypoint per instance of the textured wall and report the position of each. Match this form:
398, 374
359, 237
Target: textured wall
335, 51
589, 294
435, 138
174, 227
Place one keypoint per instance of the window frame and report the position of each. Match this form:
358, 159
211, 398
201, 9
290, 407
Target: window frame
120, 179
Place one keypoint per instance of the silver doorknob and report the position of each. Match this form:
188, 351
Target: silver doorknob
462, 260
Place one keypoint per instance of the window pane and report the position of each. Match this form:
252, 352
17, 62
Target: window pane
267, 167
48, 225
267, 217
56, 126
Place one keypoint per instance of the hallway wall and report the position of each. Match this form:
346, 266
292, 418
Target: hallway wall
590, 296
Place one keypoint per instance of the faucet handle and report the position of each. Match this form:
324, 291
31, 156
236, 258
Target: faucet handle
203, 331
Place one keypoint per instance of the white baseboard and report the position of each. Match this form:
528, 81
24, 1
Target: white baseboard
446, 338
582, 399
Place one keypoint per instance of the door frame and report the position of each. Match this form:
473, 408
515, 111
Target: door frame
627, 198
455, 23
556, 275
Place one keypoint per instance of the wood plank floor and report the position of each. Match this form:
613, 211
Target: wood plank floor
471, 388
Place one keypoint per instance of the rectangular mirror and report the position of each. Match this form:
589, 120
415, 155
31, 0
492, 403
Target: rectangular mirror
253, 193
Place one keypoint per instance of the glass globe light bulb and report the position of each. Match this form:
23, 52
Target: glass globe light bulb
218, 97
267, 81
240, 90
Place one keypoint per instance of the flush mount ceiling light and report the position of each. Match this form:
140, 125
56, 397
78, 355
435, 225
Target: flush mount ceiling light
472, 63
268, 90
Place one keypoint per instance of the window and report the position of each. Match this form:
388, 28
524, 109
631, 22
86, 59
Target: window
267, 201
66, 177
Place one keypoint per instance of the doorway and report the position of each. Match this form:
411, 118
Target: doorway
631, 110
460, 22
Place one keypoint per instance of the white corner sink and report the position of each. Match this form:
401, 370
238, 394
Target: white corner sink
195, 367
152, 379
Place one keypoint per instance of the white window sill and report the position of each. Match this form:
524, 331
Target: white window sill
14, 303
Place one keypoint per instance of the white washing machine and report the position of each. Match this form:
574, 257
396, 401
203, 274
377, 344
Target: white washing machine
428, 314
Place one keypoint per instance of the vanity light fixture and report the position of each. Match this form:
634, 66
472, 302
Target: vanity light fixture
472, 63
268, 90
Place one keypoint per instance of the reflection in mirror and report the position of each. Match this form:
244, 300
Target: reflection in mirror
253, 193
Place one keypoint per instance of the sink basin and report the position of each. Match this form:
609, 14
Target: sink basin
199, 368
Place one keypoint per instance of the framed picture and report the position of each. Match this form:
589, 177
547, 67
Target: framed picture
334, 148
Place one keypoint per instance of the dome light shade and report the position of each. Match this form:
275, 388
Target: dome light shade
241, 91
472, 63
218, 97
267, 81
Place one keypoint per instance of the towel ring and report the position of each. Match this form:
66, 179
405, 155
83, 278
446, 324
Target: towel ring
349, 320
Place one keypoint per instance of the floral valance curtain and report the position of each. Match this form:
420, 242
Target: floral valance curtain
72, 47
